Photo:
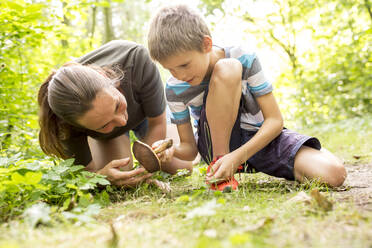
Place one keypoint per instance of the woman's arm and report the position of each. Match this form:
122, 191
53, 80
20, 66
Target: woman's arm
181, 155
113, 159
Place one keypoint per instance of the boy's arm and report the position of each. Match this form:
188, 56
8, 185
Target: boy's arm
226, 166
270, 129
186, 149
179, 156
156, 129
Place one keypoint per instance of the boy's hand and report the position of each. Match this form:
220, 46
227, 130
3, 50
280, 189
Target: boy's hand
166, 155
224, 168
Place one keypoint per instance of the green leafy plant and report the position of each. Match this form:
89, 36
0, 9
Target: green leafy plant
66, 186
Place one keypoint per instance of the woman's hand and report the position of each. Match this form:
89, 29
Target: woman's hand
165, 156
224, 168
123, 178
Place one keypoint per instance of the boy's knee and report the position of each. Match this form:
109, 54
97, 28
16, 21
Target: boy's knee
337, 174
227, 72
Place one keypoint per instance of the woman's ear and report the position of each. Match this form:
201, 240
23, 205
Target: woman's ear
207, 43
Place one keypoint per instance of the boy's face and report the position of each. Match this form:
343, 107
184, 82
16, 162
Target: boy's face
190, 66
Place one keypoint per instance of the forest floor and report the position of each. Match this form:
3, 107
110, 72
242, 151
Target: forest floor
264, 212
357, 186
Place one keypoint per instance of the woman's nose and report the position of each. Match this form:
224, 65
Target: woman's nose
121, 120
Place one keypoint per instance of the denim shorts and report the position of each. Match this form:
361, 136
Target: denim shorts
275, 159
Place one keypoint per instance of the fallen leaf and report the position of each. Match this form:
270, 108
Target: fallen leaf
342, 188
262, 223
114, 240
300, 197
183, 199
321, 200
163, 186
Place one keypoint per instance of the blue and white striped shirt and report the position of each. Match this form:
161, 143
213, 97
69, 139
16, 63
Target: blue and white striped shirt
185, 100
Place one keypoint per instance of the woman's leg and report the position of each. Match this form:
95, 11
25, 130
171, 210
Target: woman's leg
319, 164
104, 151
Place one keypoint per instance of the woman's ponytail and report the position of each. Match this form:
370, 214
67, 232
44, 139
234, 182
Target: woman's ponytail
52, 128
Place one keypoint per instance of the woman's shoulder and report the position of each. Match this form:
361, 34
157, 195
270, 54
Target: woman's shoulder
115, 51
122, 44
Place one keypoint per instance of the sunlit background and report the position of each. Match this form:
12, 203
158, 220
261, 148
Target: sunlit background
316, 53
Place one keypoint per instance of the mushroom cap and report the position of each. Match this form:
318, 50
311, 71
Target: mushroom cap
146, 156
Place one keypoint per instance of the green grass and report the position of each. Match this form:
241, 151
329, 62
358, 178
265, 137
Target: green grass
350, 139
258, 215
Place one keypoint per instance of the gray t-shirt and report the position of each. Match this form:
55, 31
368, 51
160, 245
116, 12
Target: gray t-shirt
141, 86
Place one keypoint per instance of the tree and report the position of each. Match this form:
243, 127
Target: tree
22, 26
107, 13
327, 48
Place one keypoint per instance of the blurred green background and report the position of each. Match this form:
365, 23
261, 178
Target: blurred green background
316, 53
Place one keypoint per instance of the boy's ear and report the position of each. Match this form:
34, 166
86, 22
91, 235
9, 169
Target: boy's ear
207, 44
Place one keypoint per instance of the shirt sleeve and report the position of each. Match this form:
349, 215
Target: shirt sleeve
179, 110
253, 74
151, 89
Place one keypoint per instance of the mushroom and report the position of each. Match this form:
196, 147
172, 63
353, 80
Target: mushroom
147, 156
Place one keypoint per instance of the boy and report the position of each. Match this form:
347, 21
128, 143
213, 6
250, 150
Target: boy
239, 124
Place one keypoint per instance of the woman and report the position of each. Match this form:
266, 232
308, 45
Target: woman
88, 107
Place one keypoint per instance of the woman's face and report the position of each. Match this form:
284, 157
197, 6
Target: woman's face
109, 111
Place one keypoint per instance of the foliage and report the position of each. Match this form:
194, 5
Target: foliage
28, 29
23, 27
335, 82
65, 186
210, 6
132, 24
325, 46
325, 77
349, 139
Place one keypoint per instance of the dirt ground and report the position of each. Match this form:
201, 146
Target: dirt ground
357, 186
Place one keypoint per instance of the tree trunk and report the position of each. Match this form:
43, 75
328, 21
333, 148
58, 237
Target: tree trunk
8, 137
93, 27
366, 3
66, 21
109, 34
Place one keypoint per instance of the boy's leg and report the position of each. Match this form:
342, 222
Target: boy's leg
319, 164
296, 156
222, 106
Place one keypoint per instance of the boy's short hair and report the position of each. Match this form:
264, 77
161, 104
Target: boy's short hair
176, 29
